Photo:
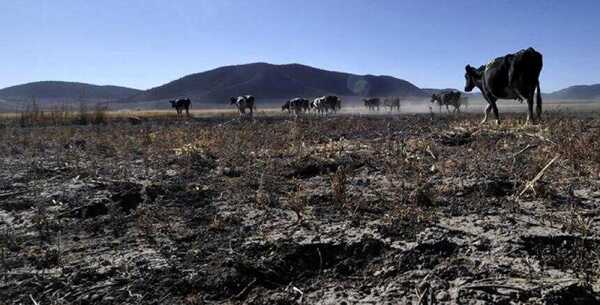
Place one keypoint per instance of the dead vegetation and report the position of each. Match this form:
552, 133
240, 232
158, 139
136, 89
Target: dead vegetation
398, 209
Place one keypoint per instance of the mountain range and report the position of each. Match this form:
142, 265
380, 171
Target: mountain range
56, 91
581, 92
265, 81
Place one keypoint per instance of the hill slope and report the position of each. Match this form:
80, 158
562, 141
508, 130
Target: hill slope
268, 81
581, 92
65, 91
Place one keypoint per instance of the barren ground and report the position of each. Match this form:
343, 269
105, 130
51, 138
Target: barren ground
349, 209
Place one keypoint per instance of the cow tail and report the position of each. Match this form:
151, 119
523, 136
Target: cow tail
539, 101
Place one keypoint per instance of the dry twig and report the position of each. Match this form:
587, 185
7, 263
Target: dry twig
531, 184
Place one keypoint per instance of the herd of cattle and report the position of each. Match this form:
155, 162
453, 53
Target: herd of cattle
321, 105
513, 76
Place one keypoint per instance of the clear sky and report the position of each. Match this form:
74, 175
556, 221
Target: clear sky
145, 43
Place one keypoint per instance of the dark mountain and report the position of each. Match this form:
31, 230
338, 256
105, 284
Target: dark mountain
582, 92
56, 91
267, 81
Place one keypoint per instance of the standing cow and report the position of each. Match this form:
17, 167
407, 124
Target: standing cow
297, 106
333, 103
372, 104
448, 98
180, 105
513, 76
392, 102
244, 102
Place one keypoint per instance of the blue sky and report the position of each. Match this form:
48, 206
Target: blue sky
145, 43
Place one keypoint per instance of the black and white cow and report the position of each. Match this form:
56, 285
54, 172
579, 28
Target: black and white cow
244, 102
180, 105
325, 104
299, 105
513, 76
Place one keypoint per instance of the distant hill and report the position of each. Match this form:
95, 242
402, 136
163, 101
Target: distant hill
55, 91
581, 92
267, 81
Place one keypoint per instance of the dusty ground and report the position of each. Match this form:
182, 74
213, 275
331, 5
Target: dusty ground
342, 210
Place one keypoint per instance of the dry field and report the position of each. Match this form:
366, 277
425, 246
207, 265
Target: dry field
350, 209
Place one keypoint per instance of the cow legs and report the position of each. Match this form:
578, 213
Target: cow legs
496, 115
530, 117
539, 102
487, 112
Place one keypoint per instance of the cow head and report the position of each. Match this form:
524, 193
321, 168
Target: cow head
173, 103
233, 100
471, 77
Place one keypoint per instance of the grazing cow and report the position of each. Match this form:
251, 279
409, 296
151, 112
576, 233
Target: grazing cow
180, 105
392, 102
513, 76
244, 102
318, 105
448, 98
323, 105
333, 103
297, 106
372, 104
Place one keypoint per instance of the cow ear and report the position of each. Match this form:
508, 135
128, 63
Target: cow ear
468, 68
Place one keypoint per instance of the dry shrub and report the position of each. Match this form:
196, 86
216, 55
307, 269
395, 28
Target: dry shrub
422, 196
298, 202
32, 115
339, 186
99, 115
217, 224
578, 144
197, 155
63, 114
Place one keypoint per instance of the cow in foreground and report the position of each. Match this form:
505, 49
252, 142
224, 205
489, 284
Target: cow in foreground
244, 102
372, 104
448, 98
513, 76
180, 105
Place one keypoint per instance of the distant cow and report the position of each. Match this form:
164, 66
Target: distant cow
447, 98
372, 104
333, 103
244, 102
180, 105
392, 102
299, 105
513, 76
325, 104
